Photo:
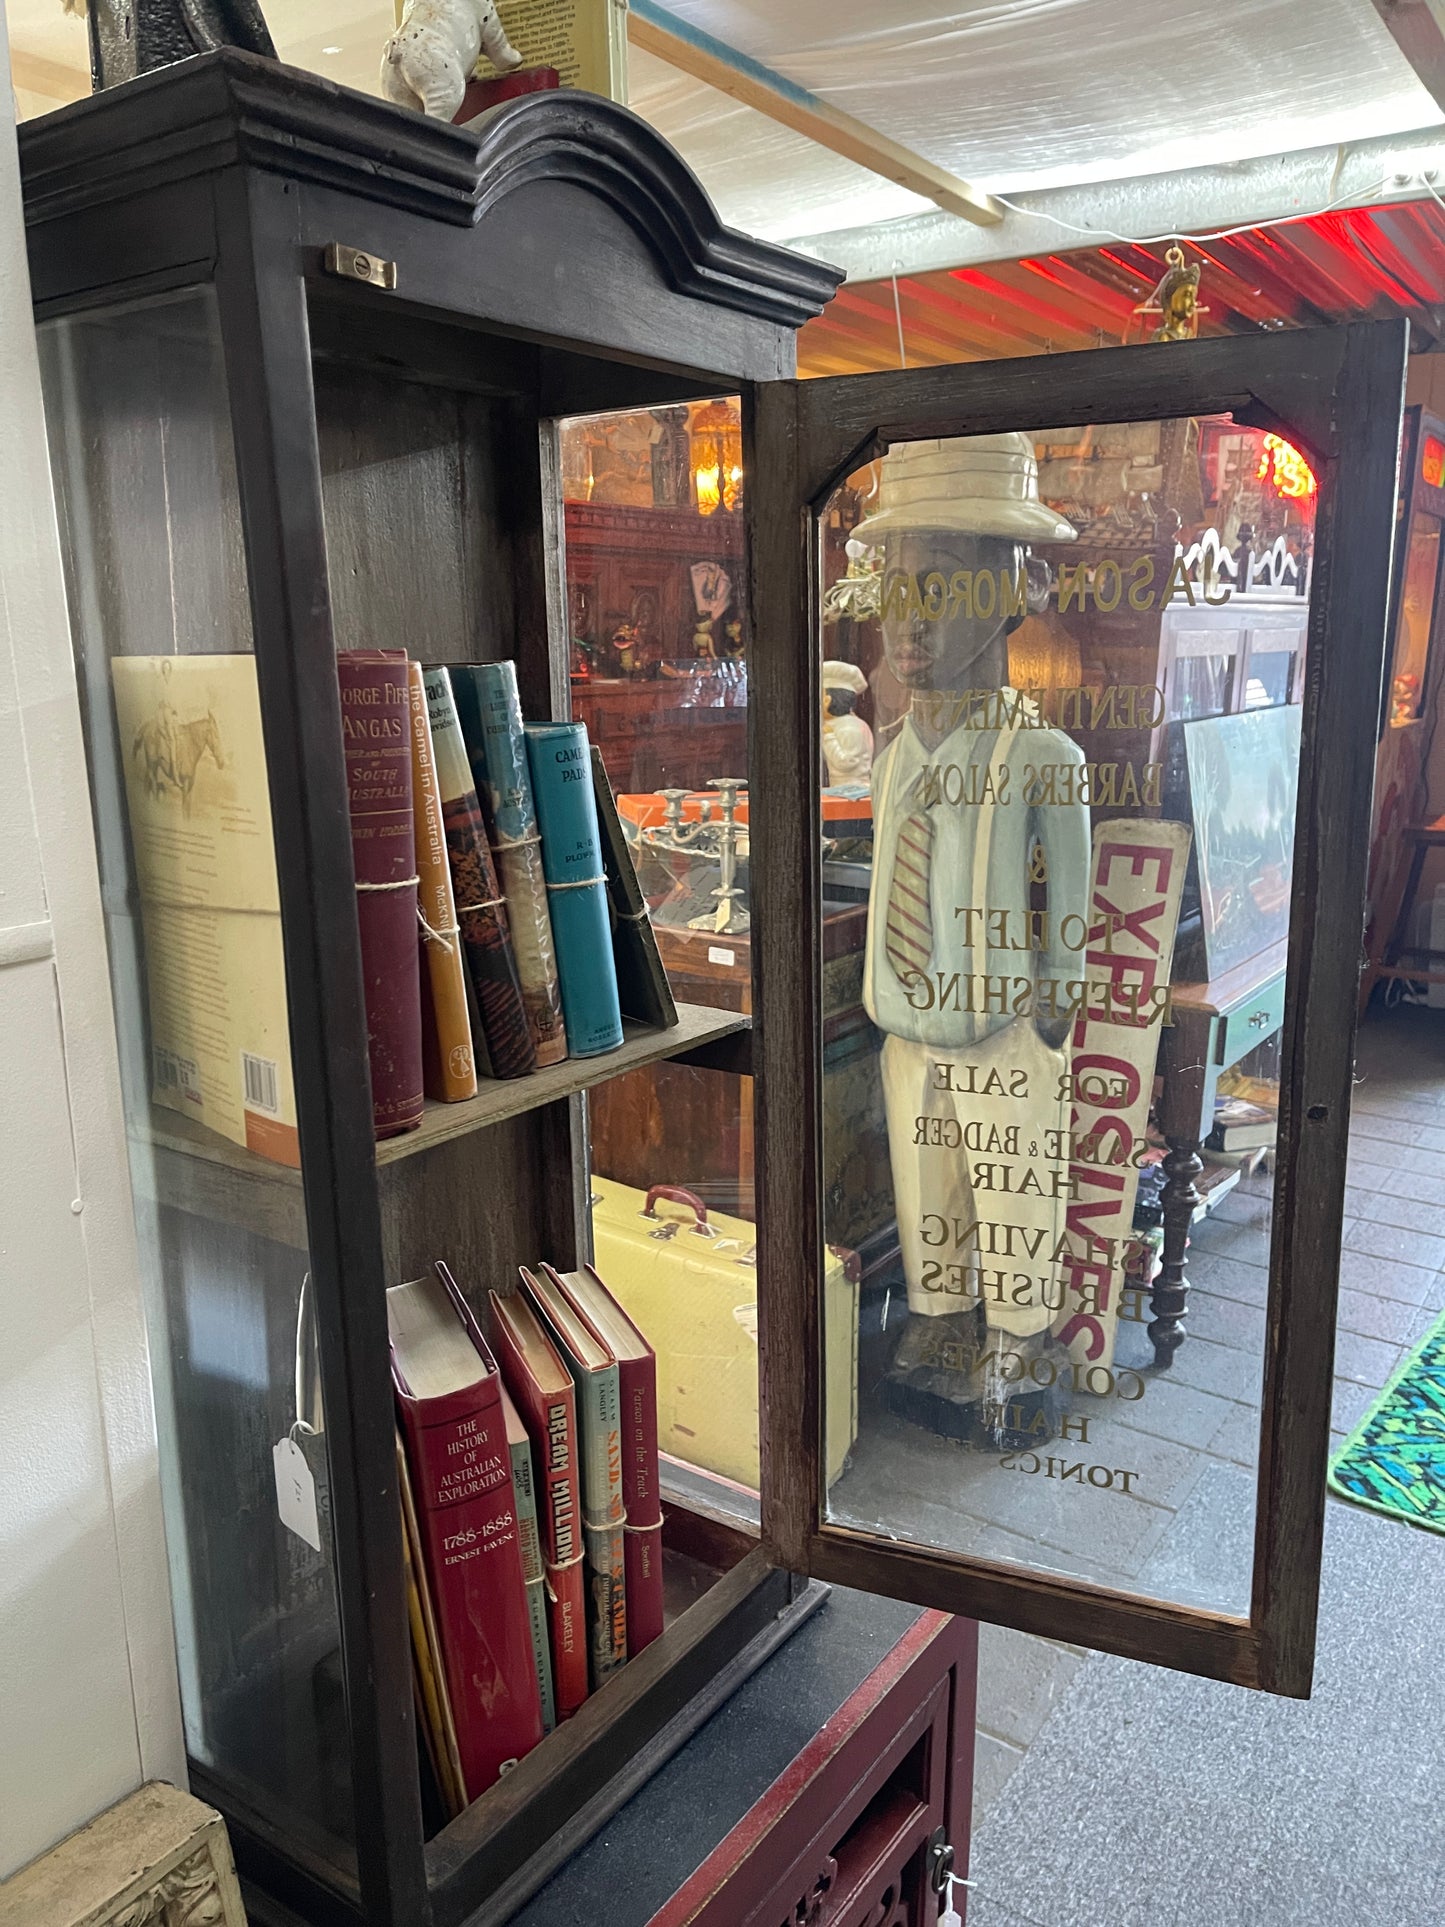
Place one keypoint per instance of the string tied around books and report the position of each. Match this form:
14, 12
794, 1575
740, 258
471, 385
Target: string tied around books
402, 883
532, 842
491, 903
579, 883
443, 936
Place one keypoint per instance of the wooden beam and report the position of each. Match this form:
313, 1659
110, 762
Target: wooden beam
48, 78
693, 52
1418, 27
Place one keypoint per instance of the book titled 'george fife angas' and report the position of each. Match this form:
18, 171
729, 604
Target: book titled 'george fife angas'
376, 729
449, 1394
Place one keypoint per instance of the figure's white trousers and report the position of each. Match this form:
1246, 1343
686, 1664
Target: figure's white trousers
980, 1201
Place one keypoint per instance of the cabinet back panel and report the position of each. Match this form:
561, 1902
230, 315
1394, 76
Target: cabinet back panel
419, 542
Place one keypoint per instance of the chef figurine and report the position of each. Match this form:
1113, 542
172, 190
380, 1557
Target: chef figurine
980, 870
847, 739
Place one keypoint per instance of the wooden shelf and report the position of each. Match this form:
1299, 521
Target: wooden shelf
698, 1025
199, 1171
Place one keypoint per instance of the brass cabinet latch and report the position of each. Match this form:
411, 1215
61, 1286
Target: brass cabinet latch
352, 265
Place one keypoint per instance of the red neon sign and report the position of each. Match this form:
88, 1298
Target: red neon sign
1432, 462
1282, 465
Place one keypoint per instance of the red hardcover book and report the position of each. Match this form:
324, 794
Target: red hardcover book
641, 1497
542, 1388
448, 1390
491, 92
376, 728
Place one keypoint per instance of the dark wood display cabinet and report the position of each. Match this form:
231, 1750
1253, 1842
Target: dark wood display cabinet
306, 358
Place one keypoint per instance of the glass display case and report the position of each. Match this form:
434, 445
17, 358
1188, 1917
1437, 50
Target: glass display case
314, 403
322, 376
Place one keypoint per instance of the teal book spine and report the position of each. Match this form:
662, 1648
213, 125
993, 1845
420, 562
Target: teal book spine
534, 1574
560, 760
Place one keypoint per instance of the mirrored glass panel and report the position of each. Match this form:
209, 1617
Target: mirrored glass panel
1069, 831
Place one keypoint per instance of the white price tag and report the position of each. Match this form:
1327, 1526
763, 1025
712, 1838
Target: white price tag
296, 1492
716, 954
951, 1917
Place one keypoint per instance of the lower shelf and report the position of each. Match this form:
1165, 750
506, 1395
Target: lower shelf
728, 1610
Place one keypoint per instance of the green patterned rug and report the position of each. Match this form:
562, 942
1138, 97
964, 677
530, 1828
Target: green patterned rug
1394, 1460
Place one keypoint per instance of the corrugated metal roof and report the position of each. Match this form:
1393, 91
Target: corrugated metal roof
1365, 262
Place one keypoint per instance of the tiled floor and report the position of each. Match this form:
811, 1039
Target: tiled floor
1182, 1779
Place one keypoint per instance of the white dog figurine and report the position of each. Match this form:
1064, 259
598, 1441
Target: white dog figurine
428, 61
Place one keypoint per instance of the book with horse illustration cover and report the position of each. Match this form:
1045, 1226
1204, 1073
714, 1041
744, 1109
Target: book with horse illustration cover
194, 762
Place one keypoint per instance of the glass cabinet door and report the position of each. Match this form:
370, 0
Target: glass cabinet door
1091, 1390
147, 487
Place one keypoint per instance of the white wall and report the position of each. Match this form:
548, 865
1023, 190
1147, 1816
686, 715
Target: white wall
88, 1702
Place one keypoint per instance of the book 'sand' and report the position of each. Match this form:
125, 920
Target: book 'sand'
531, 1512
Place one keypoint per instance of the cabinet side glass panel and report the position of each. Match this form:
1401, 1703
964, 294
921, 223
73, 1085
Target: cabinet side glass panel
658, 637
1077, 901
146, 485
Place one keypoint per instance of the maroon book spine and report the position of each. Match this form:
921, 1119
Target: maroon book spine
642, 1501
551, 1420
461, 1471
376, 728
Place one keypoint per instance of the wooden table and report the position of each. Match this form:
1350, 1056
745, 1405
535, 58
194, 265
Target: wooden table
1215, 1024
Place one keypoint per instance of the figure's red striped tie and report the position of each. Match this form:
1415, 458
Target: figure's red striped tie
908, 927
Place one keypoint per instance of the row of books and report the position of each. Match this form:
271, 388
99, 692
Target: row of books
502, 926
533, 1520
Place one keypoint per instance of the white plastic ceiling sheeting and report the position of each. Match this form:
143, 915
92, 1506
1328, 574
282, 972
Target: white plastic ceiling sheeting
762, 177
1027, 94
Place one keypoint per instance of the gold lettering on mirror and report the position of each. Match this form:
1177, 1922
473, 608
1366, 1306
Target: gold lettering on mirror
1125, 706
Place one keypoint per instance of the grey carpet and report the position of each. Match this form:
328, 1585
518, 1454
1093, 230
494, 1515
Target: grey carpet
1155, 1800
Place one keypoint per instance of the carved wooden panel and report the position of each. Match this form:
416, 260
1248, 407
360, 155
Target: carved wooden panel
842, 1838
809, 1910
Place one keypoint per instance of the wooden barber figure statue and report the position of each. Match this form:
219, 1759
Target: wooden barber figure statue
975, 868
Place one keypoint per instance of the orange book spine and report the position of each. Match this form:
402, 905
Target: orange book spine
451, 1072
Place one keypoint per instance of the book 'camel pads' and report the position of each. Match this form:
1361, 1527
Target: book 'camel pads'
200, 822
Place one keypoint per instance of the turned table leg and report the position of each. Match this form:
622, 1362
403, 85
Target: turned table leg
1169, 1296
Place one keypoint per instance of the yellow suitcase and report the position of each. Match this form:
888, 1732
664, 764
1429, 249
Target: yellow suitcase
687, 1277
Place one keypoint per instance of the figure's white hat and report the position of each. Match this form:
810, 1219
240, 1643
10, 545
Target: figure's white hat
973, 484
844, 675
